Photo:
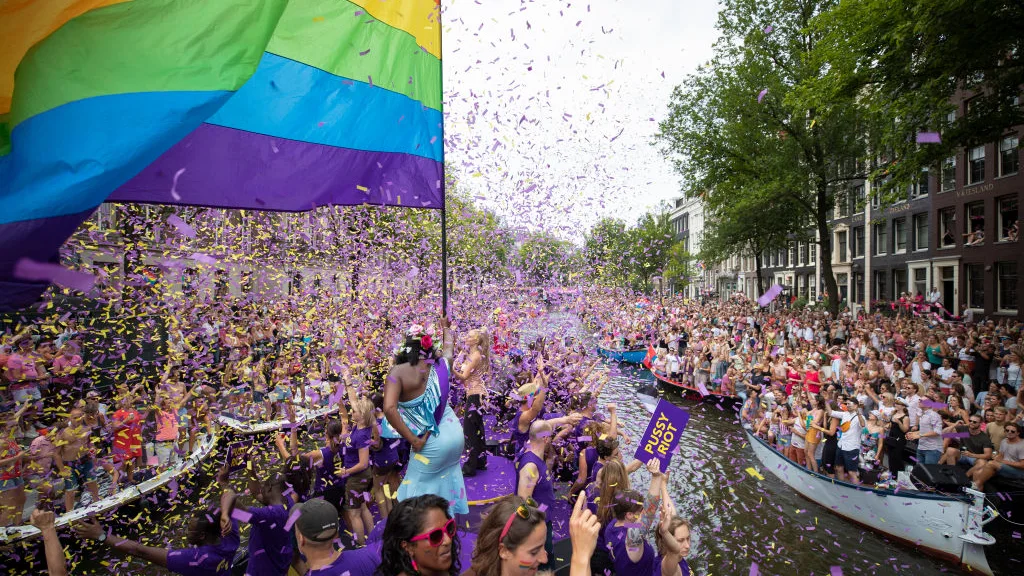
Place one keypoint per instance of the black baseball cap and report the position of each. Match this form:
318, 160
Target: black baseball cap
318, 520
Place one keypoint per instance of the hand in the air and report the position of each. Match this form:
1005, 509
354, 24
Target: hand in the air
583, 528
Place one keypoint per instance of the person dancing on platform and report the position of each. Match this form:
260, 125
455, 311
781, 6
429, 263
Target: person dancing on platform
416, 408
471, 375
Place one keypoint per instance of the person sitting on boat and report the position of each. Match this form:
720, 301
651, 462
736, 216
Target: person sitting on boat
1007, 463
415, 393
968, 451
511, 539
210, 552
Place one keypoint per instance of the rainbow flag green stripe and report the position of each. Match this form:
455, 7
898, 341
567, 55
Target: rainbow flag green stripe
329, 35
145, 46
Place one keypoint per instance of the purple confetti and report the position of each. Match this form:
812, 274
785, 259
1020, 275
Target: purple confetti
241, 515
27, 269
761, 95
929, 138
182, 227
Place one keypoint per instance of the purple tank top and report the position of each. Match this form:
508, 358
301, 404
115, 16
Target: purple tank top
325, 477
518, 438
544, 491
590, 455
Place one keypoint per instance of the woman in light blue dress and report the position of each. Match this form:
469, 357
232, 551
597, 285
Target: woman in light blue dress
416, 408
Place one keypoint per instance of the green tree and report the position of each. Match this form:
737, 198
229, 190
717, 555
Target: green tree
649, 244
904, 60
797, 150
603, 249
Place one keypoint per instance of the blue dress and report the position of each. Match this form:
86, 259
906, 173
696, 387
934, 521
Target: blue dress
437, 468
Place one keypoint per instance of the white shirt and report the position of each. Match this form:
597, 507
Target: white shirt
850, 440
934, 296
945, 373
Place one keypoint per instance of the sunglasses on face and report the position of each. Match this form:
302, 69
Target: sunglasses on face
522, 511
436, 536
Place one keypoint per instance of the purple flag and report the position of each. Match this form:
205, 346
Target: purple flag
662, 435
770, 295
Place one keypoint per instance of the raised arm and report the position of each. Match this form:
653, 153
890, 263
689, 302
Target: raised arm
90, 529
392, 392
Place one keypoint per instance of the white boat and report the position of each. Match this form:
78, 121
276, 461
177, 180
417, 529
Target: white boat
128, 494
302, 415
949, 527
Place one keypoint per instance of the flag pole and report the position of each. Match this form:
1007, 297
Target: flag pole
444, 209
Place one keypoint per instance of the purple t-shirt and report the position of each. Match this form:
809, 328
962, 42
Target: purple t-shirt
210, 560
615, 536
360, 438
270, 545
359, 562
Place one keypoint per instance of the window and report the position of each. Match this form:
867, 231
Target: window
1006, 219
975, 285
1006, 288
858, 242
948, 174
842, 206
950, 118
975, 234
813, 252
920, 188
880, 285
947, 227
1009, 158
921, 231
880, 239
899, 235
841, 243
858, 287
803, 253
920, 281
859, 199
899, 283
976, 165
843, 281
792, 254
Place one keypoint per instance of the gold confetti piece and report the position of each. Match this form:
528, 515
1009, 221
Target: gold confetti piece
362, 188
422, 458
318, 19
754, 473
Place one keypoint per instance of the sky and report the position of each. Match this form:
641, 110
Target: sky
551, 107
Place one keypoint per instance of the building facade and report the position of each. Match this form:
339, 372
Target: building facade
955, 230
687, 219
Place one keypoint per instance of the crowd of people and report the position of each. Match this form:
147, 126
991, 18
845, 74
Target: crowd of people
395, 446
860, 398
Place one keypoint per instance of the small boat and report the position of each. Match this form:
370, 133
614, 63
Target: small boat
302, 416
686, 388
129, 494
946, 526
634, 356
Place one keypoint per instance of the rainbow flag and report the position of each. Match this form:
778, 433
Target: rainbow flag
257, 104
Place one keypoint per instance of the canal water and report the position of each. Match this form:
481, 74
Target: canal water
737, 519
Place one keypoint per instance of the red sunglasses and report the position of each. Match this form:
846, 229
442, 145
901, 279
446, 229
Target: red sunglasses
436, 536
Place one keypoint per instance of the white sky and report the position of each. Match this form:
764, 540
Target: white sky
606, 72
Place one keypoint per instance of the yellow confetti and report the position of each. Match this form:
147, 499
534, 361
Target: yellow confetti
754, 473
318, 19
422, 458
362, 188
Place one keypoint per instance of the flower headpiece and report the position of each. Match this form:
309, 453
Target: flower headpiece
425, 336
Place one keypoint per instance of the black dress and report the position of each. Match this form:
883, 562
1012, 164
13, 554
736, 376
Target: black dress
895, 444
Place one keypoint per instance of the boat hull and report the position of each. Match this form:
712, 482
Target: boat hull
711, 396
626, 356
930, 522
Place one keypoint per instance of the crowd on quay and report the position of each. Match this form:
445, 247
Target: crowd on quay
255, 362
858, 398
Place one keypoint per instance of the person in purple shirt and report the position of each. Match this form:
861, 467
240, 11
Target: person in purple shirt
356, 461
420, 538
533, 481
270, 543
673, 542
634, 515
210, 553
316, 530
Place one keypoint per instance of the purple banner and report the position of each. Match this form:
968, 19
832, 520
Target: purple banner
662, 436
238, 454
